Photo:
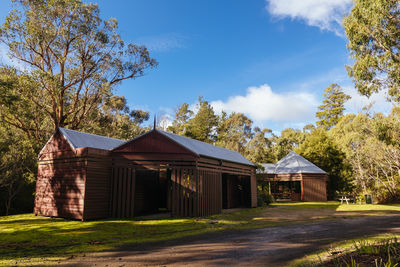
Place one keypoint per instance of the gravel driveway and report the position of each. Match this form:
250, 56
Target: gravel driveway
273, 246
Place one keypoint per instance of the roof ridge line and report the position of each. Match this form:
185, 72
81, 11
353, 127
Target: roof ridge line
91, 134
298, 163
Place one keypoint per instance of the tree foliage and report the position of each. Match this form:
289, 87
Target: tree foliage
372, 29
234, 131
115, 119
17, 171
66, 63
200, 125
373, 150
259, 147
321, 150
332, 106
182, 116
69, 61
288, 140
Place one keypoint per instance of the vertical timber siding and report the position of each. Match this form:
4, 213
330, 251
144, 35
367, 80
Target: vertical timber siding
183, 192
253, 189
142, 176
209, 192
314, 189
60, 183
122, 192
97, 190
60, 188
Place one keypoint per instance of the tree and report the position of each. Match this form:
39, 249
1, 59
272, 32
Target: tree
115, 119
372, 147
286, 142
351, 134
17, 109
372, 29
203, 125
17, 170
332, 106
309, 128
321, 150
234, 131
70, 62
180, 123
259, 148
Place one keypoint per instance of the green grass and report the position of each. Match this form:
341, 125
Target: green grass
29, 239
385, 249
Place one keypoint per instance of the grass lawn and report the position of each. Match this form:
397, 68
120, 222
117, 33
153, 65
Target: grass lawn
381, 250
27, 239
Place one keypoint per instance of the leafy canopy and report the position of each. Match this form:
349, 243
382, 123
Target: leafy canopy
321, 150
68, 56
372, 29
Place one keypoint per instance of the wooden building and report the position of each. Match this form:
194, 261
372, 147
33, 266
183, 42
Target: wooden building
85, 176
295, 178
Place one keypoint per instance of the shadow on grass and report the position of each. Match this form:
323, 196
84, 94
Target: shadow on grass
27, 236
262, 247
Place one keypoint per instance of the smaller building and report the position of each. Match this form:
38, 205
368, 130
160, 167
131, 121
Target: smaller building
295, 178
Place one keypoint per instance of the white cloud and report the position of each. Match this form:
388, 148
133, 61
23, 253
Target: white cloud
162, 42
261, 104
325, 14
358, 101
164, 122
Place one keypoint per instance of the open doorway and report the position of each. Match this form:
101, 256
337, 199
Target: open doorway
152, 191
235, 191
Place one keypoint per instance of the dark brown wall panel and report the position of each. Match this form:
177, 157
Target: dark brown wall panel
209, 192
55, 147
97, 190
60, 188
314, 189
253, 189
183, 195
123, 187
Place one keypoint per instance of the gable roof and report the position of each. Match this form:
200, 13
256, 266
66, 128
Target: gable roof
293, 163
207, 150
79, 139
268, 168
200, 148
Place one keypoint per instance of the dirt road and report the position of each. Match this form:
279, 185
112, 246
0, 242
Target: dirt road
274, 246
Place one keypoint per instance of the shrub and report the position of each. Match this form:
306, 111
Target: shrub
384, 197
263, 197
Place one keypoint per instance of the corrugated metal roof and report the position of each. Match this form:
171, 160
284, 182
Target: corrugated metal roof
268, 168
294, 163
79, 139
208, 150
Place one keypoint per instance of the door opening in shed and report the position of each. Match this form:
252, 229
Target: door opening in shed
235, 191
140, 192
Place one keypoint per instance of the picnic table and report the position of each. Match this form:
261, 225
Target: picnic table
347, 199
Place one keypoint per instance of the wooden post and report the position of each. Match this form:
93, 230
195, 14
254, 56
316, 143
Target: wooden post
302, 188
133, 192
196, 193
269, 187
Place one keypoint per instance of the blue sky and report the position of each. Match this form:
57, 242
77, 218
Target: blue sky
268, 59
